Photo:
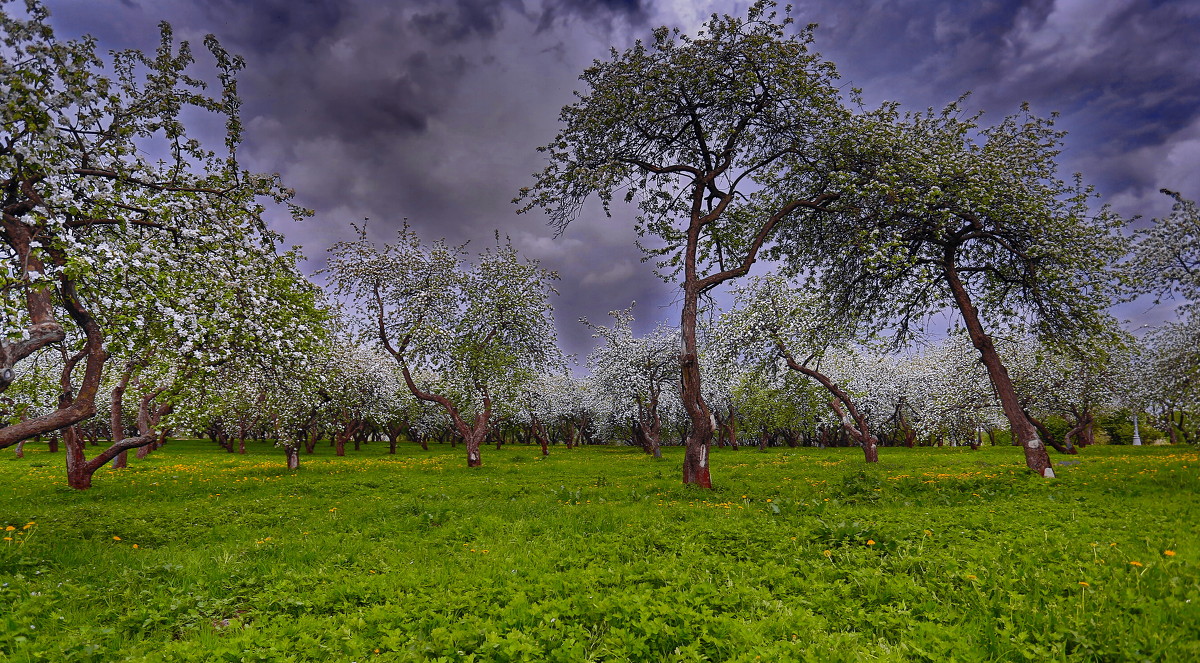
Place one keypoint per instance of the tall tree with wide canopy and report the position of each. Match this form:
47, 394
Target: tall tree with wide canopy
720, 138
941, 212
484, 329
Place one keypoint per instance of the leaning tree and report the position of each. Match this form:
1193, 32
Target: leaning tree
774, 322
939, 212
478, 330
721, 138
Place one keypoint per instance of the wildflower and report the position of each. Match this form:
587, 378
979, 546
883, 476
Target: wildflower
9, 528
1169, 553
971, 577
870, 542
928, 533
135, 545
1135, 563
8, 538
828, 553
116, 538
1084, 583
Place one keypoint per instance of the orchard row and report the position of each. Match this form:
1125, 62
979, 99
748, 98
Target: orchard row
144, 294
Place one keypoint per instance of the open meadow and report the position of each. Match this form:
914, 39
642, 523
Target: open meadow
599, 553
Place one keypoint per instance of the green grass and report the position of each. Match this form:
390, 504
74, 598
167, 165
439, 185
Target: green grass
600, 554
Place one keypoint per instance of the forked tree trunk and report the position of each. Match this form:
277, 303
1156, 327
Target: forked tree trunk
1036, 457
539, 433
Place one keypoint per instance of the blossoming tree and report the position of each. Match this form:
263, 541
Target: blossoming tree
93, 165
483, 329
721, 139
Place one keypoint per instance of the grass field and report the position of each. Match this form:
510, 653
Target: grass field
601, 554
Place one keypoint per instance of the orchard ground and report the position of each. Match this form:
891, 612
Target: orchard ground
600, 554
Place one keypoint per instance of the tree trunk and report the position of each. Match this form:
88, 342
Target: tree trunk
20, 450
699, 439
539, 432
292, 452
472, 442
1036, 457
79, 476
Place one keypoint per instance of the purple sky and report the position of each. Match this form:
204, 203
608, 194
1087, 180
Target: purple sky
432, 109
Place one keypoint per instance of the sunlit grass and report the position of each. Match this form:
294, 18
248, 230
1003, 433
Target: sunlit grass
601, 554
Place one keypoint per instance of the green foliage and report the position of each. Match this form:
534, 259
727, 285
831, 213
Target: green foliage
597, 555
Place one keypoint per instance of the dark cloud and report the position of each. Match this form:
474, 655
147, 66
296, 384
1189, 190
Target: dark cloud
461, 19
1125, 75
632, 12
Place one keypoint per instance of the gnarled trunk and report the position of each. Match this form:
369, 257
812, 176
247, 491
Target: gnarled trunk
1024, 433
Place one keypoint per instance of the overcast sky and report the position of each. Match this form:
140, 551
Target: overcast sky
433, 109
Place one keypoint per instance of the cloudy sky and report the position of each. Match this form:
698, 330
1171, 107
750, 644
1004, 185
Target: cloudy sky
432, 110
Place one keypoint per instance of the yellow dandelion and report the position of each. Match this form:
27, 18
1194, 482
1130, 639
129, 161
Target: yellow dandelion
9, 528
928, 533
828, 553
1084, 584
8, 538
1169, 553
116, 538
971, 577
1135, 563
135, 545
870, 542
